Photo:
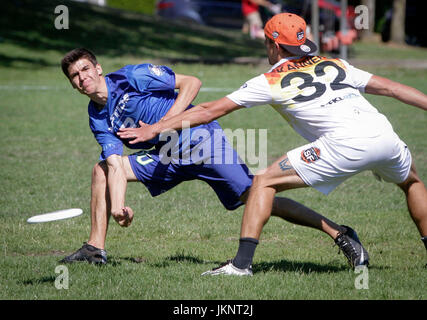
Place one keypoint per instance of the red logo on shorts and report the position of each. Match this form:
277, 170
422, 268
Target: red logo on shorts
310, 155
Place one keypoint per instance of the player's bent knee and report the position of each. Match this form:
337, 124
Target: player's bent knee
257, 180
412, 178
99, 172
262, 181
261, 172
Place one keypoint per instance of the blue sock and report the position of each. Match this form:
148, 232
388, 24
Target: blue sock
245, 254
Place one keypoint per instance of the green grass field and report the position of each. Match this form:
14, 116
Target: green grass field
47, 154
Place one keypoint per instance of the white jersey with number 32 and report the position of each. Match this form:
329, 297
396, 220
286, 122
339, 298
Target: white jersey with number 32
317, 96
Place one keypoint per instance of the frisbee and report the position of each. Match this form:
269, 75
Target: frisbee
56, 215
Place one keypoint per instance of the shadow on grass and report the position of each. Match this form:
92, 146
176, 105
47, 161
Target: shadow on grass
304, 267
179, 257
278, 266
297, 266
281, 266
110, 32
10, 61
117, 261
42, 280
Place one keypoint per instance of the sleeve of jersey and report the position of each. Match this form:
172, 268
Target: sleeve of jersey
254, 92
357, 78
149, 77
109, 143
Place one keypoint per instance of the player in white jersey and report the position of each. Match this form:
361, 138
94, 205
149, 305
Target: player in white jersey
321, 99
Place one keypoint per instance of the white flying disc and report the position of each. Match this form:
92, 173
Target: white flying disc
56, 215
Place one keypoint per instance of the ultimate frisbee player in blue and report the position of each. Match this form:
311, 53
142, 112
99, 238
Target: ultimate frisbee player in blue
146, 93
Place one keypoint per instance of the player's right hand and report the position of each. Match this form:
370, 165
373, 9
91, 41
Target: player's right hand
144, 133
123, 217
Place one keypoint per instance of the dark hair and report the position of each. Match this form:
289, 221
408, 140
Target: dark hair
74, 55
281, 46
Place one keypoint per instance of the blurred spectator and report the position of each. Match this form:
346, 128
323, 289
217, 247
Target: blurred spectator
252, 19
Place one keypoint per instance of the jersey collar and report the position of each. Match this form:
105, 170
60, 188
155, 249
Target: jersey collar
283, 61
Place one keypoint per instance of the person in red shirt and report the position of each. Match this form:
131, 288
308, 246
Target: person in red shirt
252, 19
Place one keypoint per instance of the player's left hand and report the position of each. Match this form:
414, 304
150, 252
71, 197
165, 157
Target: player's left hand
144, 133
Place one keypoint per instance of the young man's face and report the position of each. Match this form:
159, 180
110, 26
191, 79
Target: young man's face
84, 76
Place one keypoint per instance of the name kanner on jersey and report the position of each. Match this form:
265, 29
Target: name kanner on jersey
299, 63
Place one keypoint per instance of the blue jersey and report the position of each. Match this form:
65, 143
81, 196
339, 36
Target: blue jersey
136, 92
146, 92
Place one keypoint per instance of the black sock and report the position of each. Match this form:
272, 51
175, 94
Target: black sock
424, 239
245, 254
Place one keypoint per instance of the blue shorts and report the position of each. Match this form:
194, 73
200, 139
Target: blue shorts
229, 179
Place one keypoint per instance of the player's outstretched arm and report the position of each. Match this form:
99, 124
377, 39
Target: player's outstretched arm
200, 114
386, 87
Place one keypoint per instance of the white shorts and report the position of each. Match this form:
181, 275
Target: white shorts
327, 162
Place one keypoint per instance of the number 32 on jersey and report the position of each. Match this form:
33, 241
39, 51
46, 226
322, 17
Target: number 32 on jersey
312, 81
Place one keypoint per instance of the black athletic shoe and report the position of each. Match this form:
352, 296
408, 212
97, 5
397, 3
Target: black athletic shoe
87, 253
353, 250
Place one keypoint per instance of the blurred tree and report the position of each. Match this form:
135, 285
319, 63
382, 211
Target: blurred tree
398, 21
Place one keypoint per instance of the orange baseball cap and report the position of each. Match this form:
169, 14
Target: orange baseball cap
289, 31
